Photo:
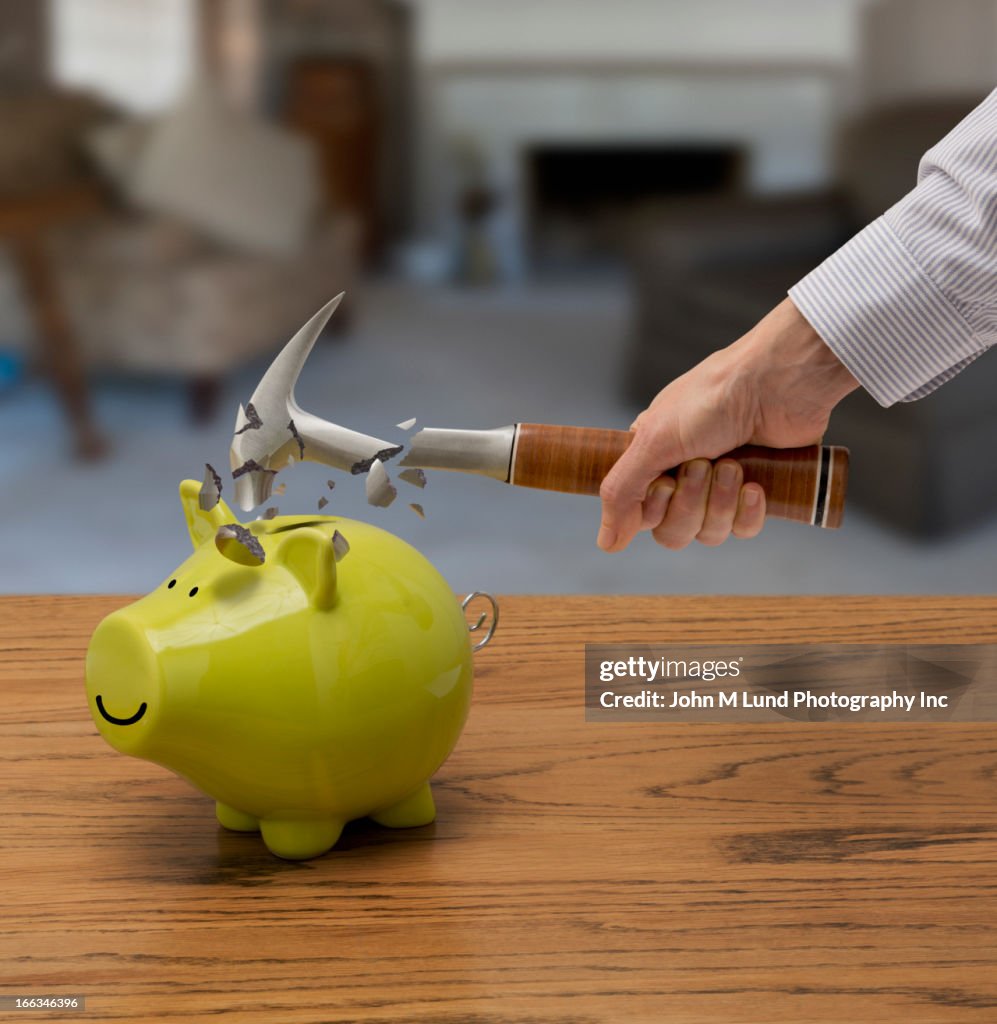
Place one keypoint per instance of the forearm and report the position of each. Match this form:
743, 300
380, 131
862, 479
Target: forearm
912, 299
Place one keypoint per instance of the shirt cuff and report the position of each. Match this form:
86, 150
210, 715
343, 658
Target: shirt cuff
885, 318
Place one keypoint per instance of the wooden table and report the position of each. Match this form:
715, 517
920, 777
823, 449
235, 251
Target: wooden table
576, 873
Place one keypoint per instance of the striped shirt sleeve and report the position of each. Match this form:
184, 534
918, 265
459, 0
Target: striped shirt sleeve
912, 299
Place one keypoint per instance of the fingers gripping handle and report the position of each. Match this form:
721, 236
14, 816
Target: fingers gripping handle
806, 485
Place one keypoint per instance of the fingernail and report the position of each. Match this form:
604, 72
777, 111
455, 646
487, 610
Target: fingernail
657, 504
696, 470
726, 474
751, 497
607, 538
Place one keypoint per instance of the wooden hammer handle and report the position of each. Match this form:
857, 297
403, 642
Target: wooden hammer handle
806, 485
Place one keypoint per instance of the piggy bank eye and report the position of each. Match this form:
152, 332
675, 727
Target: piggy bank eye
192, 592
171, 584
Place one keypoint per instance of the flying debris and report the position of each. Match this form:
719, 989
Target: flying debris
380, 491
235, 542
211, 489
418, 509
340, 547
322, 502
406, 424
415, 477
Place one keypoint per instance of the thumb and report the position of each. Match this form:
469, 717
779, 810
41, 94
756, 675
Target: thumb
625, 487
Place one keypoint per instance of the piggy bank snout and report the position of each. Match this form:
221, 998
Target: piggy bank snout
123, 680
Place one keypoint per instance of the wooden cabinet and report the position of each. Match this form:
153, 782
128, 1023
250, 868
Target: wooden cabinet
334, 101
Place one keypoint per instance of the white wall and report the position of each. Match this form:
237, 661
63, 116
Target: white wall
781, 123
767, 74
769, 30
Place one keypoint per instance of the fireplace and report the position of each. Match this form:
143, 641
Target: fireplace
580, 199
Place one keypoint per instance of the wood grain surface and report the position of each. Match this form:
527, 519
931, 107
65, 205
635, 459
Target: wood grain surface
577, 872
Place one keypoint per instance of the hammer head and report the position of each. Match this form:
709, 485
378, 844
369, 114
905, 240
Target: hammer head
272, 430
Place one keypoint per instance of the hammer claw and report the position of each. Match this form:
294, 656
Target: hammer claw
284, 426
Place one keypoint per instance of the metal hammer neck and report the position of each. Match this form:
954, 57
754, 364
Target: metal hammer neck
486, 452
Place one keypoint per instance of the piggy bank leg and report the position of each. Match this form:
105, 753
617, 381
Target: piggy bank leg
237, 821
301, 839
416, 809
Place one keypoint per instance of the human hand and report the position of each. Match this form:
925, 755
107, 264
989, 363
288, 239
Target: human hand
775, 386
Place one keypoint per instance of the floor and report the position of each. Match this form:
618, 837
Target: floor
472, 359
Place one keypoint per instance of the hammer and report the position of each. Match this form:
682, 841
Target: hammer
802, 484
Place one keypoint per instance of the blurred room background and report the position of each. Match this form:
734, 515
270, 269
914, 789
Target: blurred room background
540, 210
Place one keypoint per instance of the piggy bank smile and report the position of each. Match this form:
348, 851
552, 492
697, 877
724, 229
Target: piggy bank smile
114, 720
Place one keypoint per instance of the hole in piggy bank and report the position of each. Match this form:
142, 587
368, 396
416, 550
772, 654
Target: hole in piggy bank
239, 545
120, 721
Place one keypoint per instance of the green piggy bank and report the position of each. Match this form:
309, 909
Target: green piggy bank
299, 693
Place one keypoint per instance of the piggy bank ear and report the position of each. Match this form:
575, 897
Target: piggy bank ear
202, 525
308, 555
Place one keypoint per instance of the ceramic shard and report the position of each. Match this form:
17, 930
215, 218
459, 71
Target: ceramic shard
236, 543
415, 477
322, 502
380, 491
211, 490
280, 489
332, 484
271, 513
406, 424
418, 509
340, 547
